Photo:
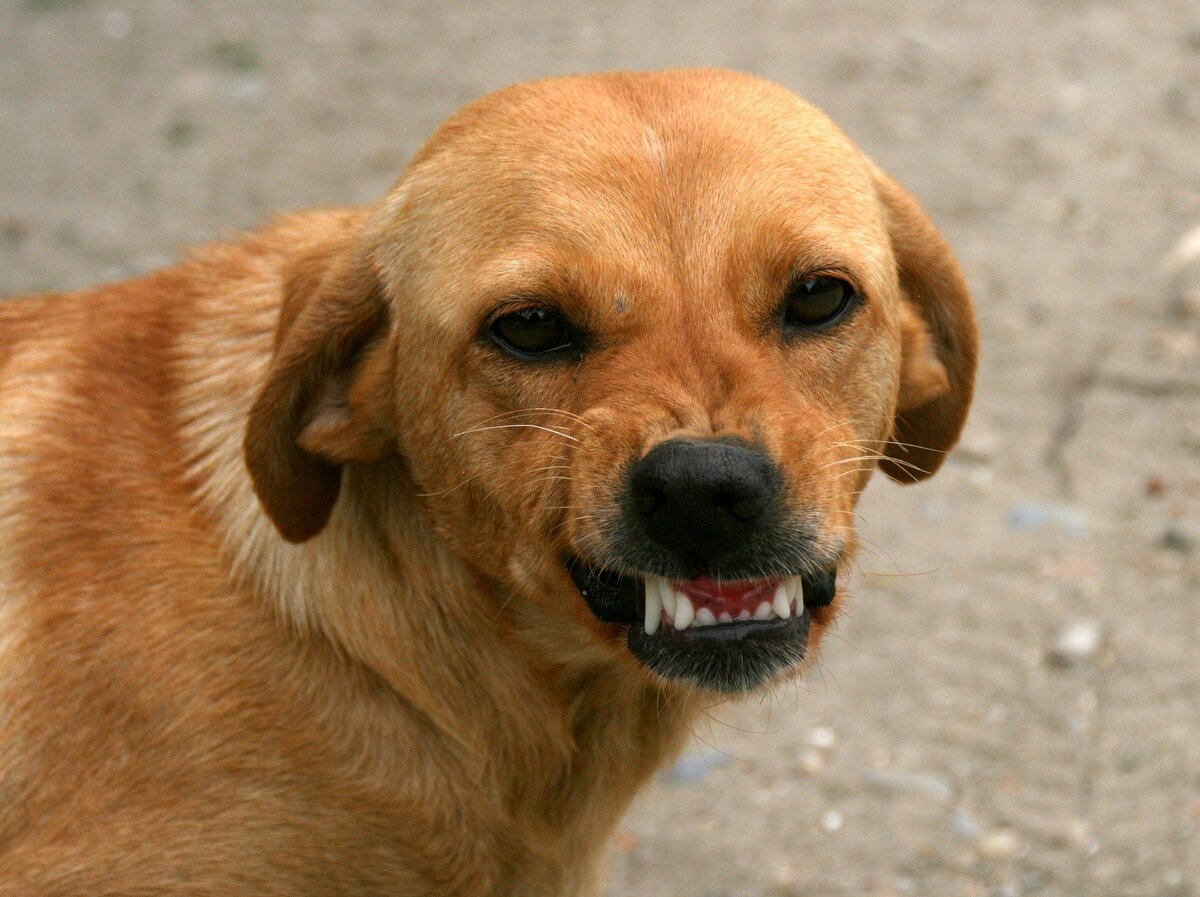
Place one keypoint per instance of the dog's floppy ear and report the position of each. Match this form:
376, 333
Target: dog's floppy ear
939, 341
324, 402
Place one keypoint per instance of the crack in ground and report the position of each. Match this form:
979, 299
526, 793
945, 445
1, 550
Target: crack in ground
1070, 420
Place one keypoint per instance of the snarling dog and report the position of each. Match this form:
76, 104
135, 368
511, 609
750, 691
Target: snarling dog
387, 551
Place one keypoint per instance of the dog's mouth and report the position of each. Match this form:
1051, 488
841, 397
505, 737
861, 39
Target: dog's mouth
722, 635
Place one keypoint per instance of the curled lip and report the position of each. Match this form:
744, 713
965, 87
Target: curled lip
721, 655
615, 597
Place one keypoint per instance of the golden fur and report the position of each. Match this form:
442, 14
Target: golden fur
282, 600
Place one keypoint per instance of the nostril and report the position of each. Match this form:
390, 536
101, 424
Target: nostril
740, 505
648, 499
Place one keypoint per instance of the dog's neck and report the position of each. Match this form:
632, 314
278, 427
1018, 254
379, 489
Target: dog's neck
475, 673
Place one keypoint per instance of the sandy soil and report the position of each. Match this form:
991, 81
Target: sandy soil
944, 746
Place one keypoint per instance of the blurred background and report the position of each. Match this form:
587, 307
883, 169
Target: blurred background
1011, 705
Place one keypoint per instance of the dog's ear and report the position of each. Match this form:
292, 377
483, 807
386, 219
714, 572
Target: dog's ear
939, 341
324, 402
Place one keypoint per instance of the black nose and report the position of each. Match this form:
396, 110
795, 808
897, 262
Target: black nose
704, 498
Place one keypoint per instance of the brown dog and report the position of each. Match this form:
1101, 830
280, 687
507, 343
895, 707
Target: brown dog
387, 551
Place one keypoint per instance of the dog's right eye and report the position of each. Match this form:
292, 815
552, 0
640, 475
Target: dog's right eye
533, 332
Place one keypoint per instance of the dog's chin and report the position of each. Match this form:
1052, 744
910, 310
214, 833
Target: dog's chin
731, 636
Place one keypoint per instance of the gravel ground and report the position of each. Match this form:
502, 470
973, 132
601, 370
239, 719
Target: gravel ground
1010, 706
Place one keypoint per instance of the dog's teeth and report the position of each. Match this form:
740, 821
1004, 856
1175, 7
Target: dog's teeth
795, 587
684, 612
744, 615
667, 594
724, 618
763, 612
704, 617
782, 604
653, 606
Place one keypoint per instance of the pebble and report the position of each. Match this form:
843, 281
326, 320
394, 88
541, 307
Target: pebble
1076, 642
1156, 486
822, 738
1176, 539
997, 844
1180, 268
832, 821
1038, 515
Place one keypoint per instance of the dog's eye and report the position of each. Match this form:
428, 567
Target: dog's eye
533, 331
817, 301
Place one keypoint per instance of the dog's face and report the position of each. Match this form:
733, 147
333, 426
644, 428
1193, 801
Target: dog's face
641, 341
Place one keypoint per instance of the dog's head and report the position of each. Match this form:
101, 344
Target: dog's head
641, 341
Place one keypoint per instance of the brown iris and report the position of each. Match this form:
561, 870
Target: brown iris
817, 301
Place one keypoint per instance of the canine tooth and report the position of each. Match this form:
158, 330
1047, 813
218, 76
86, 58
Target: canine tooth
744, 615
724, 618
795, 585
782, 604
704, 617
667, 594
684, 612
763, 612
653, 606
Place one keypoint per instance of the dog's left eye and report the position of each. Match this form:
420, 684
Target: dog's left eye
533, 332
817, 301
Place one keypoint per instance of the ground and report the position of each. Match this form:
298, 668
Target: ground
1011, 705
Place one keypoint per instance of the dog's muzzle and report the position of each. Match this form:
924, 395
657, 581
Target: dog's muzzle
708, 518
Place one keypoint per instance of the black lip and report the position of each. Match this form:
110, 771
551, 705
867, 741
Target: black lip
728, 657
612, 597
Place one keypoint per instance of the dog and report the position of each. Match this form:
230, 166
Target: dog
390, 550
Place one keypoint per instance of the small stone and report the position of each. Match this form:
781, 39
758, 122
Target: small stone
823, 738
997, 844
832, 821
1175, 539
1180, 269
1038, 515
1075, 643
1156, 486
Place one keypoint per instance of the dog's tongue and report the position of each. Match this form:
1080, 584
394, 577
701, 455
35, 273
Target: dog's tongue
732, 597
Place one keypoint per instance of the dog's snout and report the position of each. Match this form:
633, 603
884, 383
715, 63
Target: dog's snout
701, 498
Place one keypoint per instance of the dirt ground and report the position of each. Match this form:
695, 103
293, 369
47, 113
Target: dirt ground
1011, 705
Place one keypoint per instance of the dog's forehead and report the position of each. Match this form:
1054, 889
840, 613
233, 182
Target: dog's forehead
630, 136
660, 171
